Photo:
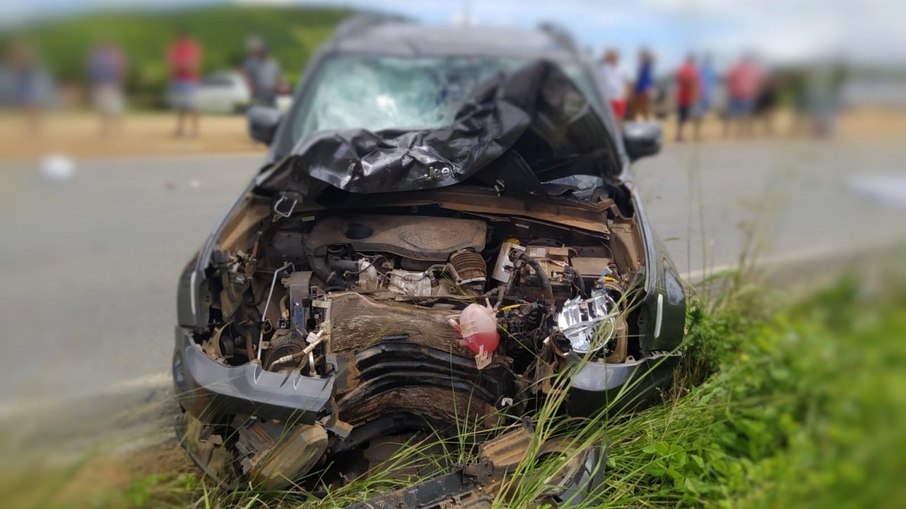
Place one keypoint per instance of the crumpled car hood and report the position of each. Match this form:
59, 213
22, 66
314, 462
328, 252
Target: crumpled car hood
536, 114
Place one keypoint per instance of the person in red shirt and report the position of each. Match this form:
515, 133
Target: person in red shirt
743, 82
686, 93
184, 61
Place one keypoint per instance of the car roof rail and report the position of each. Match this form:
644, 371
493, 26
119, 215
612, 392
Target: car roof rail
358, 23
560, 35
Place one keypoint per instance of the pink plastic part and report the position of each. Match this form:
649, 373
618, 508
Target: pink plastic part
478, 327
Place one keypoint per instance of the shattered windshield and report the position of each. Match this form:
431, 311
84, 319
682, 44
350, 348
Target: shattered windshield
380, 92
375, 92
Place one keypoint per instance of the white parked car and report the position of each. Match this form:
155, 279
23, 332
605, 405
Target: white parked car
228, 92
223, 92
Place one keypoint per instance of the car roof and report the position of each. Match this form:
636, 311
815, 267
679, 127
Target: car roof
411, 39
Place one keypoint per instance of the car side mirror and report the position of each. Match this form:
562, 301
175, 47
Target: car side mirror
263, 122
642, 139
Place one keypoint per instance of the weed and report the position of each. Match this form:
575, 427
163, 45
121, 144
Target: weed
795, 407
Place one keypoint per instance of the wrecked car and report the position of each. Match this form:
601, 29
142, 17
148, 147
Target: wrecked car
445, 222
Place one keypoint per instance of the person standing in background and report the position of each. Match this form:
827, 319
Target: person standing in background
707, 82
743, 81
262, 73
823, 96
686, 94
796, 83
184, 59
643, 90
31, 84
766, 103
614, 83
107, 74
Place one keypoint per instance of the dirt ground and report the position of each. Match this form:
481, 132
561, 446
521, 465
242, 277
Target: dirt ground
77, 134
854, 125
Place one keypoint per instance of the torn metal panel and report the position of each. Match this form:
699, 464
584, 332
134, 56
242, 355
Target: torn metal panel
272, 457
419, 238
358, 322
398, 376
432, 403
588, 216
500, 456
479, 486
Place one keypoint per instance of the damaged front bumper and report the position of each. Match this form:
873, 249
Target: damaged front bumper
211, 392
595, 386
207, 388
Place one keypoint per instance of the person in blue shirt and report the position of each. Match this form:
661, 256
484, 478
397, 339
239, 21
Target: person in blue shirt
707, 80
644, 87
106, 69
32, 84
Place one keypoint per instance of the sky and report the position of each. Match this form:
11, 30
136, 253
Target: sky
782, 31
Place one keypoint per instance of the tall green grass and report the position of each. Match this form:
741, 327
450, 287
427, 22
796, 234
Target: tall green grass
777, 404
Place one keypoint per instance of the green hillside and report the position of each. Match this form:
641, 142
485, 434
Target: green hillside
293, 33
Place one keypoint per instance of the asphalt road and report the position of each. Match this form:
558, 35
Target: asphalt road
89, 265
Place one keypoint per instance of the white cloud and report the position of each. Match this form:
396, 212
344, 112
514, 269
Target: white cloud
799, 29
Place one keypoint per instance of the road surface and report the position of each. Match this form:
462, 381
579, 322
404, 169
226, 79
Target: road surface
89, 265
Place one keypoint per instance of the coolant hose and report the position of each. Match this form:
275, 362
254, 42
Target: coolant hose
580, 283
322, 270
548, 291
500, 291
342, 265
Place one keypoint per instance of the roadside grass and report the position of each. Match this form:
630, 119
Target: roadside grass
791, 404
798, 408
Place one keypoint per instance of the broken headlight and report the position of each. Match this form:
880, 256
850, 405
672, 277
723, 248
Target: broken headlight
588, 324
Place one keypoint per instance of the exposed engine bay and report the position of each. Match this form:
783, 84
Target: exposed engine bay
418, 317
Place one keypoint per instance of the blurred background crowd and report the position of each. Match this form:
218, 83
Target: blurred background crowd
30, 86
222, 59
744, 94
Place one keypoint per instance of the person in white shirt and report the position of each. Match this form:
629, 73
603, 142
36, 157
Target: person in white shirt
615, 82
